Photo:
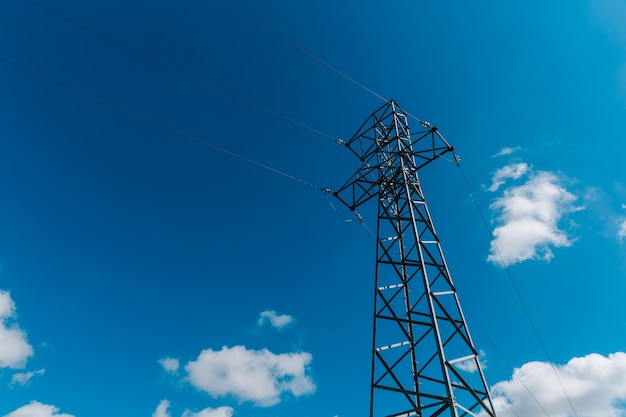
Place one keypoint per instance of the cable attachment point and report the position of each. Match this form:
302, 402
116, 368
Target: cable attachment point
340, 141
359, 218
457, 160
425, 124
326, 190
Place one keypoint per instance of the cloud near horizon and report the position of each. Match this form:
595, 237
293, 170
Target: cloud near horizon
162, 410
595, 385
528, 215
37, 409
14, 347
258, 376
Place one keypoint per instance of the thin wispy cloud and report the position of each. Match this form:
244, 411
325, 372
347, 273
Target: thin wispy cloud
611, 14
277, 321
170, 365
506, 151
611, 221
595, 385
37, 409
24, 378
14, 347
257, 376
528, 216
621, 231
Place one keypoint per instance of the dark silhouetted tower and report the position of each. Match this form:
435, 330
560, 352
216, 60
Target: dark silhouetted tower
424, 362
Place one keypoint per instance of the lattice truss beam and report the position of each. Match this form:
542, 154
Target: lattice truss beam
424, 362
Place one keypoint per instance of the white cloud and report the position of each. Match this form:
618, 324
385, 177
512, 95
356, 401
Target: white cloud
211, 412
14, 347
162, 409
259, 376
23, 378
513, 171
595, 384
278, 321
621, 232
528, 218
170, 365
507, 151
37, 409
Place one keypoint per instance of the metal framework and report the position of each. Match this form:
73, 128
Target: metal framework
424, 362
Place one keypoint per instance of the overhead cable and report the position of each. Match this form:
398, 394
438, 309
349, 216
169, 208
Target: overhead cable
310, 54
177, 69
155, 122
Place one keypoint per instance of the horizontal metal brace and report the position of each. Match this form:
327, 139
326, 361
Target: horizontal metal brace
395, 345
410, 414
463, 359
389, 287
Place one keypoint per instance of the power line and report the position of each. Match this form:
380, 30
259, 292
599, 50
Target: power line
309, 54
499, 352
300, 48
201, 80
156, 122
515, 287
177, 69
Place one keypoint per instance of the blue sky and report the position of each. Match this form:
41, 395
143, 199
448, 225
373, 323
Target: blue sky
146, 273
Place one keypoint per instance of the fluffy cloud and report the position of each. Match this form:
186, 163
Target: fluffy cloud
23, 378
528, 216
170, 365
14, 348
259, 376
162, 410
595, 384
37, 409
276, 320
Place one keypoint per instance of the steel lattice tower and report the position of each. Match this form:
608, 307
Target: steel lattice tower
424, 362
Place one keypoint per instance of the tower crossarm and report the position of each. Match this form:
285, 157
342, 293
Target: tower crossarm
384, 135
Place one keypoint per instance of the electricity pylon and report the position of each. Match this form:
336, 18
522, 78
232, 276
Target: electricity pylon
424, 362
